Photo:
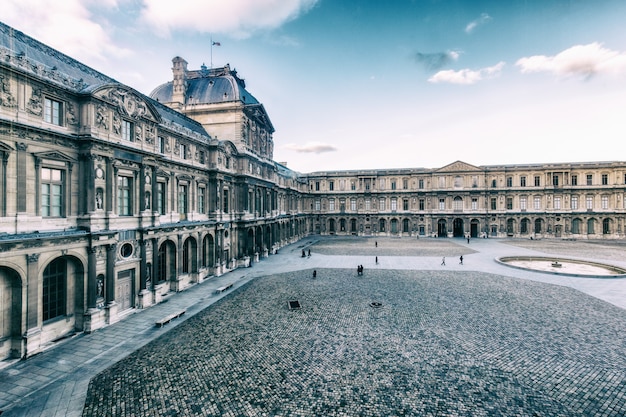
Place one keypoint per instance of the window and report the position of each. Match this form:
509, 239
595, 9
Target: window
317, 185
557, 203
405, 184
509, 181
367, 184
537, 181
509, 203
225, 203
522, 181
201, 157
352, 185
555, 180
458, 204
605, 179
494, 204
51, 192
54, 283
318, 205
523, 203
421, 204
161, 144
393, 184
368, 204
331, 204
589, 179
574, 179
331, 185
576, 226
405, 204
494, 183
537, 203
589, 202
124, 196
342, 204
52, 112
604, 201
127, 130
161, 197
183, 151
353, 204
381, 205
182, 198
201, 200
474, 203
442, 204
394, 204
421, 183
574, 203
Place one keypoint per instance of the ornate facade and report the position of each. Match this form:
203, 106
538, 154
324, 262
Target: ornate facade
111, 200
567, 201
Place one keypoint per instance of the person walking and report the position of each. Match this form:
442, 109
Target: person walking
376, 244
314, 273
443, 261
461, 259
377, 260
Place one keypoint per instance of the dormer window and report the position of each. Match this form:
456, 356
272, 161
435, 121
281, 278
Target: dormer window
127, 130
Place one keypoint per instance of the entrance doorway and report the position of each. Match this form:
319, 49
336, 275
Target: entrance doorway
457, 228
124, 289
442, 229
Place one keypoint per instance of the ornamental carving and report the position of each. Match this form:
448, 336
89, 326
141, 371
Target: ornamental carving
102, 118
127, 103
70, 115
6, 97
34, 105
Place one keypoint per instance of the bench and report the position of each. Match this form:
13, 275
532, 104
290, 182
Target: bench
168, 318
223, 288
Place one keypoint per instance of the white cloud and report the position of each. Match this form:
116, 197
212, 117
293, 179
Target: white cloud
65, 25
238, 18
310, 147
467, 76
484, 18
579, 60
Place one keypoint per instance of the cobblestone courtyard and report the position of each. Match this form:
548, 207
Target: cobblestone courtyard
442, 343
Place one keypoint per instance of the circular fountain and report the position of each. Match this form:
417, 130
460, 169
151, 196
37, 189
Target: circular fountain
563, 266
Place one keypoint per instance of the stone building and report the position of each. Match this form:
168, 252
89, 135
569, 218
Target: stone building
566, 200
111, 200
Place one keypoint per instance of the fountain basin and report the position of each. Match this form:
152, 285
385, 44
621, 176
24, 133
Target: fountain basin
563, 266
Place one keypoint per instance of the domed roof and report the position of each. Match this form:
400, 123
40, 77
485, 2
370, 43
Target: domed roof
208, 86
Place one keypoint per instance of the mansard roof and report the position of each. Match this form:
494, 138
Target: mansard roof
27, 54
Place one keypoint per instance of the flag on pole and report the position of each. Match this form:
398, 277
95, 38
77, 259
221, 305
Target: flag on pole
217, 44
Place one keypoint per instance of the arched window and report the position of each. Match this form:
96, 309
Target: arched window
331, 225
576, 226
54, 289
523, 226
606, 226
458, 203
381, 225
590, 227
538, 225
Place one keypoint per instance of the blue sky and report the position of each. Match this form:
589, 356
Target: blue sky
378, 84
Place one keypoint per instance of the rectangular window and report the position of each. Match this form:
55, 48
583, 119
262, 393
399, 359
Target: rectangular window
494, 183
574, 179
161, 144
201, 157
605, 202
405, 204
127, 130
509, 181
509, 203
331, 185
394, 204
225, 202
381, 204
124, 196
368, 204
589, 202
52, 112
494, 204
352, 185
557, 203
331, 204
182, 198
422, 204
353, 204
367, 184
201, 200
474, 203
393, 184
458, 204
420, 184
318, 205
405, 184
522, 203
51, 192
605, 179
317, 185
589, 179
574, 203
537, 181
161, 197
442, 204
555, 180
183, 151
522, 181
537, 203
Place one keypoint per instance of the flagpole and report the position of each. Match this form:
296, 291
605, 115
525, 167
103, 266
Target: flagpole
211, 52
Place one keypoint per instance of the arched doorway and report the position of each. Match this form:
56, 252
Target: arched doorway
167, 262
458, 229
442, 228
10, 313
474, 227
250, 243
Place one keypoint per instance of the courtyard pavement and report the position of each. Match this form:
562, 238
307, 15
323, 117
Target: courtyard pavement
409, 337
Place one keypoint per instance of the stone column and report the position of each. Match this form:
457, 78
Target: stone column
33, 316
111, 305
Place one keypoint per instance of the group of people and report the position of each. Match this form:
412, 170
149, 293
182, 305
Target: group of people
443, 260
359, 270
304, 253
